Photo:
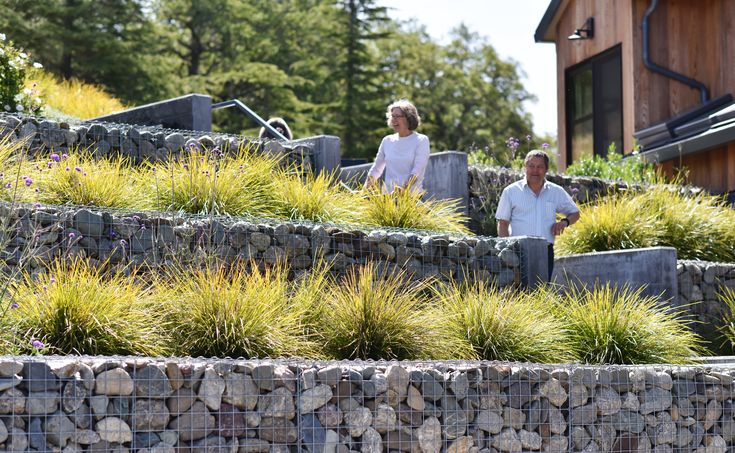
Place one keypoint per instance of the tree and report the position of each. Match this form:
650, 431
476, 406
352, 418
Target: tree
105, 42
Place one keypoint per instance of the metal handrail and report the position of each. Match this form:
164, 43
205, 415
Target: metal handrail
254, 116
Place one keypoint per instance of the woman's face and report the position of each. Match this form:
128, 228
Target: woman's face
398, 121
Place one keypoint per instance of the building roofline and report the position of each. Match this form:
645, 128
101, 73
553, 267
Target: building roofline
544, 31
716, 136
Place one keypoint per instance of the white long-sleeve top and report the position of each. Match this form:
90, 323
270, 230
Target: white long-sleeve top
401, 158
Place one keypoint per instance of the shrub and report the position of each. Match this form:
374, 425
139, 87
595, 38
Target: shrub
632, 169
505, 324
232, 313
76, 309
207, 182
81, 179
406, 209
622, 326
317, 198
14, 97
381, 315
727, 330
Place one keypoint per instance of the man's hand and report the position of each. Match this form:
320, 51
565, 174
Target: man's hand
558, 227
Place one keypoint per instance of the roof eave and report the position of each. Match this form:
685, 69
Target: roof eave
545, 32
702, 142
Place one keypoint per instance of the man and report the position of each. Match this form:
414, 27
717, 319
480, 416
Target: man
529, 207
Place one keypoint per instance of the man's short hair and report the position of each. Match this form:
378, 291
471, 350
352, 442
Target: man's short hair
534, 153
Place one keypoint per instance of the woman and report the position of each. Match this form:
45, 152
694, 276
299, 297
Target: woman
402, 155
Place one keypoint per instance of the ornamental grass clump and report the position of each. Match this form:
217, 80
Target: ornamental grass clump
318, 198
611, 325
726, 295
80, 179
383, 315
616, 222
407, 209
77, 309
699, 226
217, 312
209, 182
505, 324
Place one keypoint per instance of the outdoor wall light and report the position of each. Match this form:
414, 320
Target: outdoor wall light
586, 32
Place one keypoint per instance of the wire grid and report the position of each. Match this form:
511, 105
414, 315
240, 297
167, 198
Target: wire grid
129, 403
35, 235
103, 138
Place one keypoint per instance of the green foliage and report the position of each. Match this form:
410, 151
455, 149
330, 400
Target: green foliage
505, 324
406, 209
699, 226
381, 315
77, 309
203, 182
232, 313
72, 98
14, 95
622, 326
632, 169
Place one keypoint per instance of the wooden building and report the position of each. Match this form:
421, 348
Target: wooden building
657, 75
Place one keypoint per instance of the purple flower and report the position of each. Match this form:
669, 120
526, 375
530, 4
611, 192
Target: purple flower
136, 218
37, 205
52, 280
72, 235
64, 156
38, 190
37, 344
142, 227
29, 182
13, 306
575, 191
55, 157
85, 173
50, 164
153, 169
79, 169
545, 146
8, 186
68, 169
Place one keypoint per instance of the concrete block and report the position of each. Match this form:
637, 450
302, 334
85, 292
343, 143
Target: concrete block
190, 112
325, 151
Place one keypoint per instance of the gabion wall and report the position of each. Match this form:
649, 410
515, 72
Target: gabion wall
38, 234
169, 405
700, 285
138, 143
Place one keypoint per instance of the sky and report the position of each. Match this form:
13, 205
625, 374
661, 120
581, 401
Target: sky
509, 25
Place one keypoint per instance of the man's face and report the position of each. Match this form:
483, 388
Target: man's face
535, 170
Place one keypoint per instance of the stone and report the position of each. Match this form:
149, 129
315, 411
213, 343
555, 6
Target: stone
113, 429
150, 415
114, 382
398, 380
513, 418
489, 421
371, 442
712, 444
530, 440
41, 403
3, 432
73, 395
196, 423
554, 391
9, 368
211, 389
414, 399
584, 415
507, 441
89, 223
626, 420
151, 382
330, 375
384, 418
607, 400
59, 429
461, 445
277, 430
9, 382
655, 399
580, 438
85, 437
180, 401
429, 435
240, 391
278, 403
38, 377
358, 420
312, 399
230, 422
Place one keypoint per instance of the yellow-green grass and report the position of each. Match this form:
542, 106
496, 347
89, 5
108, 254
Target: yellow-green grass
72, 97
318, 198
78, 309
505, 324
406, 209
726, 295
609, 325
204, 182
383, 315
217, 312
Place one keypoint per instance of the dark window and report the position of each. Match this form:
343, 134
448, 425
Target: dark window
594, 106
